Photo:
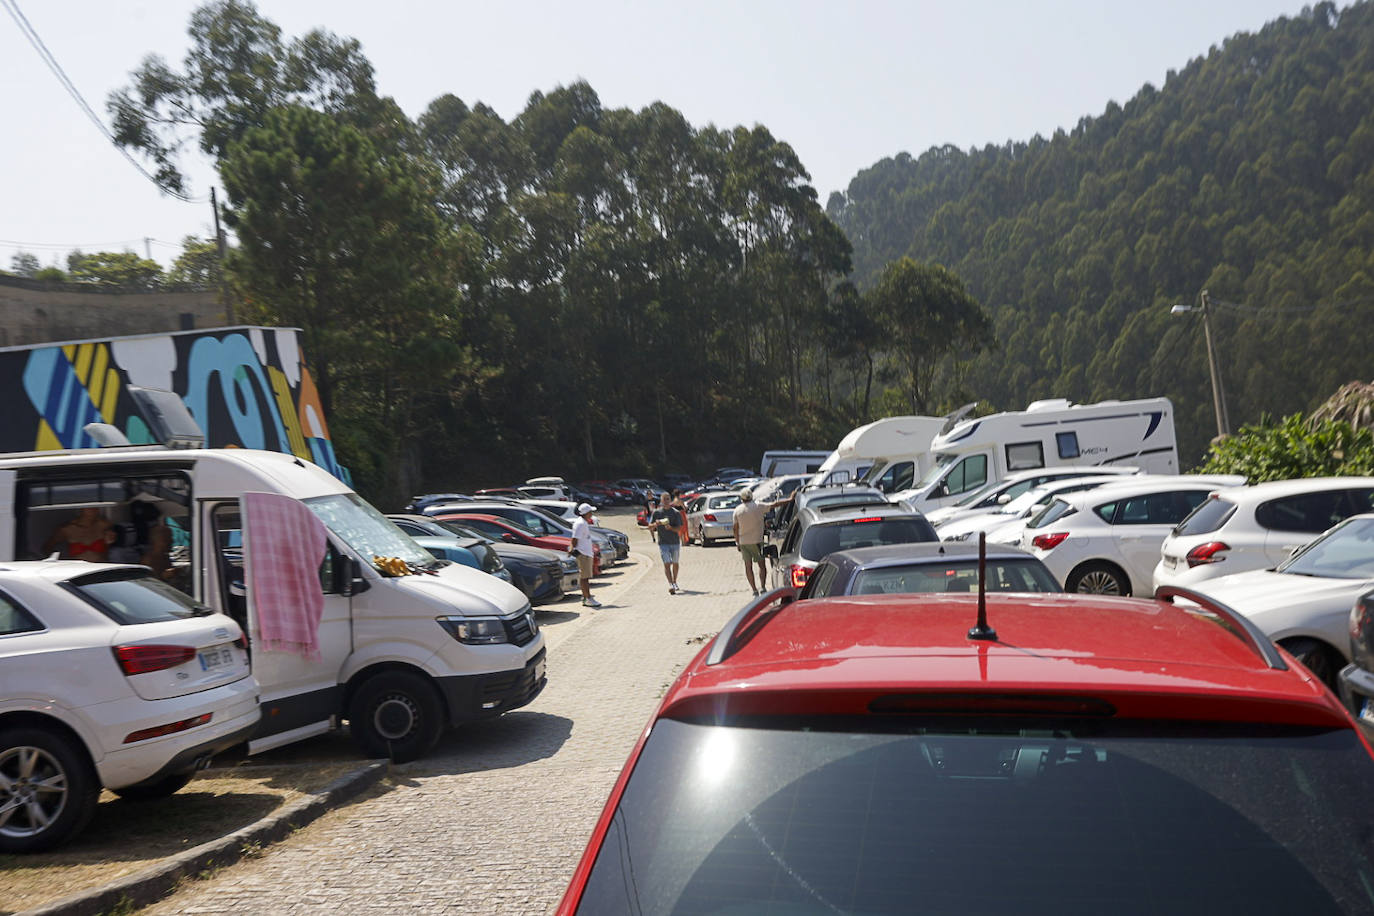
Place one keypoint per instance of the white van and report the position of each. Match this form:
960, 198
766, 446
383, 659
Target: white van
1050, 433
902, 443
399, 656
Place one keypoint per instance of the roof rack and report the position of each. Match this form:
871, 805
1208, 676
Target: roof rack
744, 625
1262, 644
844, 506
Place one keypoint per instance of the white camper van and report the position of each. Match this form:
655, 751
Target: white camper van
902, 442
795, 461
1050, 433
405, 645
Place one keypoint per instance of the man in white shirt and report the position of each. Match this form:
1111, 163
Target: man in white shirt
748, 526
581, 547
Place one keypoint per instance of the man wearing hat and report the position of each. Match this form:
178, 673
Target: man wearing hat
748, 527
581, 547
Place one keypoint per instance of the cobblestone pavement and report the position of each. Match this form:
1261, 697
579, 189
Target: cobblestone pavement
495, 820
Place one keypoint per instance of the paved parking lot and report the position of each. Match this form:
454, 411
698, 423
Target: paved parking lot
494, 821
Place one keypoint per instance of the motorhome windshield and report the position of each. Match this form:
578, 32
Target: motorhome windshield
942, 463
369, 533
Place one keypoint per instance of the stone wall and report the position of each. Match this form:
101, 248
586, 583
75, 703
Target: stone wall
35, 312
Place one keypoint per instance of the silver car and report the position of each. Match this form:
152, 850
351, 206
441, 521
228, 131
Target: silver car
711, 517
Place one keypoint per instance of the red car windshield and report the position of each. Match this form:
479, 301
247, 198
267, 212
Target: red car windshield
989, 817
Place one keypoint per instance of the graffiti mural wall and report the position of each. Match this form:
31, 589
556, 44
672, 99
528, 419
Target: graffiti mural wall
247, 387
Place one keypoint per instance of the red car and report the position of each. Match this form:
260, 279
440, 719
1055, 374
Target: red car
504, 529
1079, 754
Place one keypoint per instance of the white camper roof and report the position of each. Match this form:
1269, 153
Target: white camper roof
889, 436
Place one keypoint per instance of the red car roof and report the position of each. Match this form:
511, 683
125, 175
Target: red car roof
1142, 658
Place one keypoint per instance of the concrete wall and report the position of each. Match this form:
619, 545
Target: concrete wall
35, 312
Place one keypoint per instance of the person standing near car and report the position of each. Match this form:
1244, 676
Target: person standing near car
748, 527
581, 546
682, 514
665, 524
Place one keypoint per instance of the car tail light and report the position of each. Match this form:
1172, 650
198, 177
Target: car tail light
143, 659
871, 518
242, 641
709, 516
798, 574
1048, 541
171, 728
1203, 554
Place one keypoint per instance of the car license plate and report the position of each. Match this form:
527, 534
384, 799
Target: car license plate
217, 657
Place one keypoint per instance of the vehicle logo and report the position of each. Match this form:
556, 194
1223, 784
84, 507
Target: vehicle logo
222, 633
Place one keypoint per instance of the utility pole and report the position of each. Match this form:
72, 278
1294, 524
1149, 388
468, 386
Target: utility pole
1218, 396
220, 246
148, 247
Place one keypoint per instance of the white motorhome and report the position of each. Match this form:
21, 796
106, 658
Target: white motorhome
975, 452
795, 461
399, 655
902, 443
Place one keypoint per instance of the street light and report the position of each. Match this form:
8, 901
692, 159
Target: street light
1218, 396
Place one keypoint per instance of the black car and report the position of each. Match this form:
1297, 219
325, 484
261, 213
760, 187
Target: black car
543, 575
925, 567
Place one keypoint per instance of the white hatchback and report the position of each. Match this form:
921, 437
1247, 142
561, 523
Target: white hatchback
1106, 540
108, 677
1258, 527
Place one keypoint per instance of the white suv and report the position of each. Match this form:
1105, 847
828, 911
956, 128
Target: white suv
1258, 527
113, 678
1106, 541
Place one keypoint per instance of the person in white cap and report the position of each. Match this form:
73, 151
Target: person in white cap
581, 547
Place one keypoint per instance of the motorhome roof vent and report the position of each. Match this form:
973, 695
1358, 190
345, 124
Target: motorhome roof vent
105, 435
169, 422
1049, 404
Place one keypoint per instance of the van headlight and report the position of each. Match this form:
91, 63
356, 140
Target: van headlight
475, 631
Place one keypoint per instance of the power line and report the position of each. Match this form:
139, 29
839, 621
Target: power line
12, 7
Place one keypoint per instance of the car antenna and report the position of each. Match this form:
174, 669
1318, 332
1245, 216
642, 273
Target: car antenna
982, 630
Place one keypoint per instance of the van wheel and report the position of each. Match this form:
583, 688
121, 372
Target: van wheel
1098, 579
48, 789
158, 788
396, 714
1317, 657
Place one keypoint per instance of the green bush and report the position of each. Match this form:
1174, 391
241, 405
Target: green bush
1295, 447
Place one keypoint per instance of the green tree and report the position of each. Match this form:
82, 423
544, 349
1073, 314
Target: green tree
24, 264
1294, 447
198, 264
123, 269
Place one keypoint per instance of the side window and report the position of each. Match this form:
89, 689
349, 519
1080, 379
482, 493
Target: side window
1312, 513
1106, 512
14, 619
967, 475
897, 477
818, 586
1068, 445
1024, 455
789, 543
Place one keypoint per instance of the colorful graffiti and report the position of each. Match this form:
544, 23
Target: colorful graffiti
246, 387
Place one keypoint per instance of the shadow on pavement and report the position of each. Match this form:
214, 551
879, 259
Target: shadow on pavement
515, 739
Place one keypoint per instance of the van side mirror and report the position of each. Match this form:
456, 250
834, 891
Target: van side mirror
351, 577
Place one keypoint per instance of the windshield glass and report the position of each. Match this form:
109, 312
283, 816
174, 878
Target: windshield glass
368, 532
1028, 575
1051, 513
820, 540
1344, 552
942, 463
130, 596
1066, 818
979, 494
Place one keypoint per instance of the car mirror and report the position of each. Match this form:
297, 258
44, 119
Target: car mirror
351, 574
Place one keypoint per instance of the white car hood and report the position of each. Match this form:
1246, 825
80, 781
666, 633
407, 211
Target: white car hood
1266, 596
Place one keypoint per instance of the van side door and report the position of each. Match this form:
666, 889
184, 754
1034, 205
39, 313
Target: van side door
300, 695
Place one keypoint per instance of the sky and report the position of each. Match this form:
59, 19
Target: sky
845, 83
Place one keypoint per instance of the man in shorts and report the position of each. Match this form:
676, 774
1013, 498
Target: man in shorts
748, 527
581, 546
666, 523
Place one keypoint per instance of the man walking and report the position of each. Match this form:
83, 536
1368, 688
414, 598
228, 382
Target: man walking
665, 524
581, 547
748, 528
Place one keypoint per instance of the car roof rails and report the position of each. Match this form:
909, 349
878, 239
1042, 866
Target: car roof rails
748, 622
866, 506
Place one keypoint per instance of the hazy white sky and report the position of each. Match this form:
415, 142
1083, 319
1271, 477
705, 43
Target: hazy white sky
846, 84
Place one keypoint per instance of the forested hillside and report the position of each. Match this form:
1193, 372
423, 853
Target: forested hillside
1250, 174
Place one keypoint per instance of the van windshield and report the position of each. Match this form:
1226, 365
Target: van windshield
369, 533
942, 463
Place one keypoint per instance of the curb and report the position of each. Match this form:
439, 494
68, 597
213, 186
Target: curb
157, 881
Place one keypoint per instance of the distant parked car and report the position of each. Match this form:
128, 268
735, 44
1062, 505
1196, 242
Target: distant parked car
1005, 523
1257, 527
543, 575
1357, 678
711, 517
112, 678
1003, 490
505, 529
901, 569
1304, 603
449, 544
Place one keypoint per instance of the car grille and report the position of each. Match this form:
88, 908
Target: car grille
519, 629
